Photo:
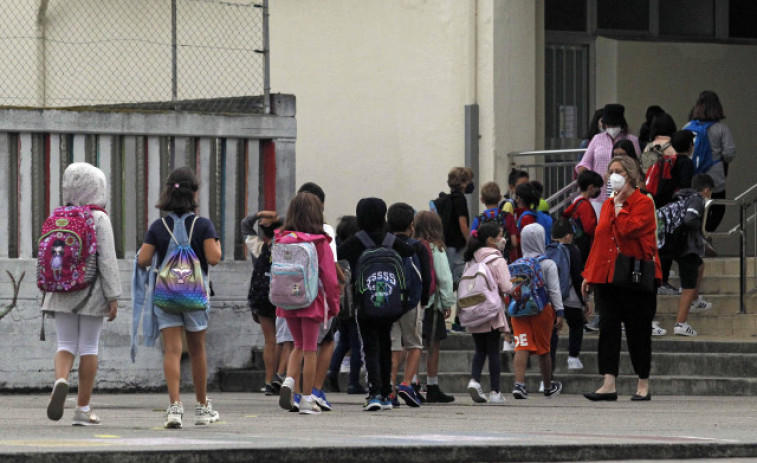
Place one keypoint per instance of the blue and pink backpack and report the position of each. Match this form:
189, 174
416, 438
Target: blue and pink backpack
529, 294
180, 285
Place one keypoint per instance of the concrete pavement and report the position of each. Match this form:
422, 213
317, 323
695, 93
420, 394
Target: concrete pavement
254, 428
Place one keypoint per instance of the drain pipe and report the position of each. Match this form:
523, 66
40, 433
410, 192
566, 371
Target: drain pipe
472, 134
42, 53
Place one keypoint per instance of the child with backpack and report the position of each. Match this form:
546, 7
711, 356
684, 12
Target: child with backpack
428, 229
305, 290
526, 198
376, 259
406, 332
515, 178
349, 338
690, 263
185, 245
581, 213
79, 299
535, 310
263, 312
567, 256
490, 197
481, 305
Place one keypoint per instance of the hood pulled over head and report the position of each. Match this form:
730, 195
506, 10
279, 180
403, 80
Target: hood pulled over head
532, 240
371, 214
84, 184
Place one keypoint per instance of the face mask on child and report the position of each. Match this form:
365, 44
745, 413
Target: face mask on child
501, 244
469, 189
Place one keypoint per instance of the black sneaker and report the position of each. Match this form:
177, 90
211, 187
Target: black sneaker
435, 395
519, 391
419, 393
554, 390
276, 383
332, 382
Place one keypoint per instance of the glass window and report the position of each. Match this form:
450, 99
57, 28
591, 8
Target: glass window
565, 15
624, 15
690, 18
742, 16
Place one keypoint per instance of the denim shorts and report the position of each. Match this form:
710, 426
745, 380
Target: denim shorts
191, 321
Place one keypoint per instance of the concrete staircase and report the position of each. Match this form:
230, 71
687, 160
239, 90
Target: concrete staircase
722, 360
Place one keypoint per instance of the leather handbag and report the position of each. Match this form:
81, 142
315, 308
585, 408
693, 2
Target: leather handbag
632, 273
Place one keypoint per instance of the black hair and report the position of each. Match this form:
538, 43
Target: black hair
700, 182
516, 174
525, 191
561, 228
682, 140
178, 194
478, 240
268, 231
588, 178
627, 146
399, 217
662, 125
347, 227
313, 188
594, 124
538, 188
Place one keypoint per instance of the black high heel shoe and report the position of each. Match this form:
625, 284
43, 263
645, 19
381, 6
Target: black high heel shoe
601, 396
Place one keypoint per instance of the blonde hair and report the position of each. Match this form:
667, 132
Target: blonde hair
631, 168
490, 193
428, 227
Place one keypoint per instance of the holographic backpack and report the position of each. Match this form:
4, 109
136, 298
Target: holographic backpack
67, 251
180, 284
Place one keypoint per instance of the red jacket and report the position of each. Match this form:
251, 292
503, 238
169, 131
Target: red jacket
583, 211
634, 230
326, 273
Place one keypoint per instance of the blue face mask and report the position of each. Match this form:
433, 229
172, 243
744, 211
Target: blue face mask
469, 189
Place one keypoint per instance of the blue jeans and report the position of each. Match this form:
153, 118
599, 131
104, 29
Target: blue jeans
456, 263
349, 340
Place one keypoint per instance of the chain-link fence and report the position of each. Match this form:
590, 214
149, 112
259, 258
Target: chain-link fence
206, 55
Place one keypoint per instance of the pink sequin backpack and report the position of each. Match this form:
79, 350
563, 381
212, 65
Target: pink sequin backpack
67, 252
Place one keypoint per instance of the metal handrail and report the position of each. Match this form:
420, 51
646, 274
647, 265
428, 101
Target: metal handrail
740, 230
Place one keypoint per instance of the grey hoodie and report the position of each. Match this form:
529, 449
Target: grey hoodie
532, 244
84, 184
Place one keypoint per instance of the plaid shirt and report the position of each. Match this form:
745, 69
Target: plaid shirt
599, 153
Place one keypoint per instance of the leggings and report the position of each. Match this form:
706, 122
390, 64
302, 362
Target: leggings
304, 332
487, 345
78, 333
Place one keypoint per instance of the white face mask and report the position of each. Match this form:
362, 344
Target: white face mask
501, 244
617, 182
613, 132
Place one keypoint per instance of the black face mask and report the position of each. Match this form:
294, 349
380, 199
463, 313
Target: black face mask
469, 189
596, 194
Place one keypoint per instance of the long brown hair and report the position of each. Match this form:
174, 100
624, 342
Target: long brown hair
428, 227
305, 214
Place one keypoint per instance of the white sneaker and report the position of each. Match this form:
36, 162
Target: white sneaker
574, 363
475, 391
700, 305
541, 386
345, 366
286, 394
204, 414
57, 399
684, 329
496, 398
508, 347
657, 330
173, 416
308, 406
82, 418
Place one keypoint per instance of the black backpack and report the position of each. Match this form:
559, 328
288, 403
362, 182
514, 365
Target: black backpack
347, 297
499, 218
380, 284
260, 282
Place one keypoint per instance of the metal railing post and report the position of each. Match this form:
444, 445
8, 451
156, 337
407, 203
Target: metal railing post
174, 54
266, 61
742, 258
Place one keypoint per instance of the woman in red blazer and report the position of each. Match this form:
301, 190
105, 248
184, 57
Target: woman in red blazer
626, 224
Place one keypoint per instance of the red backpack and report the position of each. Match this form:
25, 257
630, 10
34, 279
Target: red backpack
67, 253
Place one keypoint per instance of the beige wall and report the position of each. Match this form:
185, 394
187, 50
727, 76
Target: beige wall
381, 88
672, 75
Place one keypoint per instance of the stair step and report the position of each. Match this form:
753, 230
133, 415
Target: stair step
714, 283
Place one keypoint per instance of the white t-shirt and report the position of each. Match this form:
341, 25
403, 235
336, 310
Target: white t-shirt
330, 231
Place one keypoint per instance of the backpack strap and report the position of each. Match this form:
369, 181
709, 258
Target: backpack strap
97, 208
365, 239
179, 221
388, 241
525, 213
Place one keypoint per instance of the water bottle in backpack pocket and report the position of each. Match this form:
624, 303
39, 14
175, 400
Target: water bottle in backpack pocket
180, 285
294, 275
529, 294
380, 283
478, 298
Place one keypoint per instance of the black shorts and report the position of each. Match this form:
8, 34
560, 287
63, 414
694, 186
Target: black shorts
688, 270
428, 324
